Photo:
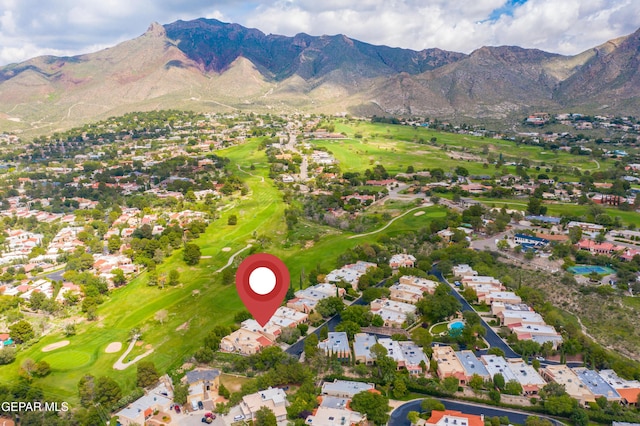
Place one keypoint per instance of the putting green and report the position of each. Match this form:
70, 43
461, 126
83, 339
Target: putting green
68, 360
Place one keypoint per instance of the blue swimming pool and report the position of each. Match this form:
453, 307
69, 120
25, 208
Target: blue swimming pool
456, 325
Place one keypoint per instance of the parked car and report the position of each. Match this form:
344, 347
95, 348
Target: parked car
238, 417
194, 405
210, 415
177, 408
200, 405
206, 420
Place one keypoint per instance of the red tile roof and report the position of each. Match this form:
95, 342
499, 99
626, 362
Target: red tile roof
472, 419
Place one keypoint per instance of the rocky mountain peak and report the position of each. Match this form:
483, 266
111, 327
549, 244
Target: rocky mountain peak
156, 30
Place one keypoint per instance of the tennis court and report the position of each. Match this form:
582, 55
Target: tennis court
587, 269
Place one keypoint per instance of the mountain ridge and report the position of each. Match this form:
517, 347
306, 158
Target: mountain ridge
206, 64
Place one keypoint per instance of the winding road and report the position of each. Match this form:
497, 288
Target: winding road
232, 258
250, 174
119, 365
391, 221
399, 415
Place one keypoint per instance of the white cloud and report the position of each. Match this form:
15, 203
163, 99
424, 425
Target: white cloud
32, 27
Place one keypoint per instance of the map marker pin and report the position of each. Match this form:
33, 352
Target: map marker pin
262, 281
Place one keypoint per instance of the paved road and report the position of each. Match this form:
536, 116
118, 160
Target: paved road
491, 337
399, 415
297, 348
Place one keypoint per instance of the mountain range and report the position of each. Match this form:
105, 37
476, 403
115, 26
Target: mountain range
208, 65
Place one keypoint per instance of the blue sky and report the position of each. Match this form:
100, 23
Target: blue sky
30, 28
506, 9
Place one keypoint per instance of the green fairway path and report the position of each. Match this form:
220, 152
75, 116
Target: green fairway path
201, 301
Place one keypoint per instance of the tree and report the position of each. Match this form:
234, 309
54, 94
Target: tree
86, 390
494, 395
290, 335
118, 277
358, 314
223, 391
537, 421
7, 356
421, 337
42, 369
191, 254
575, 234
399, 388
36, 300
535, 206
174, 277
330, 306
450, 385
161, 316
438, 306
498, 381
476, 382
431, 404
232, 220
310, 346
349, 327
413, 417
21, 331
114, 243
385, 366
560, 405
107, 391
265, 417
494, 350
180, 393
374, 405
146, 374
513, 387
580, 417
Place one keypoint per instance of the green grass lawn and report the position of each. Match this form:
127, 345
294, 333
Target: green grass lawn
560, 209
135, 305
378, 138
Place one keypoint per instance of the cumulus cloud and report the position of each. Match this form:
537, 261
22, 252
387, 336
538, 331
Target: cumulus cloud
33, 27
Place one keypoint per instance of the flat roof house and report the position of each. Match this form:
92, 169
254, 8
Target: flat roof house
527, 376
274, 399
362, 343
563, 375
629, 390
597, 385
448, 363
160, 398
337, 344
471, 365
345, 388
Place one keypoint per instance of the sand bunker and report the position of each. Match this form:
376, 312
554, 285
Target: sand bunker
113, 347
226, 249
418, 213
55, 346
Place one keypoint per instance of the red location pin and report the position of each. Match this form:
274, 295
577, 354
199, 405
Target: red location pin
262, 281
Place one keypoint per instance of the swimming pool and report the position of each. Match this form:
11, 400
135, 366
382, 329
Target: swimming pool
587, 269
456, 325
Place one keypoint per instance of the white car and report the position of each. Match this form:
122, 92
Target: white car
238, 417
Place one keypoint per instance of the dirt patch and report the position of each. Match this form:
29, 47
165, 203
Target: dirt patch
54, 346
309, 244
206, 257
419, 213
147, 347
138, 343
183, 326
113, 347
226, 249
